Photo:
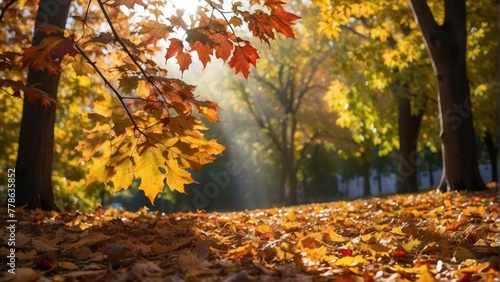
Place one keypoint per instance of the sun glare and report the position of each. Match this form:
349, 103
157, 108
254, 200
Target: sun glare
189, 6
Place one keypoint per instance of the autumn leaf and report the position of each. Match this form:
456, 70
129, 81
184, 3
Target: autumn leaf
242, 58
282, 21
81, 66
128, 3
155, 30
204, 51
176, 48
50, 29
177, 177
128, 83
48, 54
184, 60
192, 243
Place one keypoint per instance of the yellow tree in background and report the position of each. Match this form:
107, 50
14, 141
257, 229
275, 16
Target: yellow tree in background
385, 54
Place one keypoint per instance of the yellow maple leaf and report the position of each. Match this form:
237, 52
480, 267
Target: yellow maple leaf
351, 261
410, 245
177, 177
148, 164
124, 174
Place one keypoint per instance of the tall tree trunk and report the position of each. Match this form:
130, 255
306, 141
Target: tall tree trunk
293, 165
282, 187
492, 149
36, 139
409, 126
293, 200
498, 95
447, 46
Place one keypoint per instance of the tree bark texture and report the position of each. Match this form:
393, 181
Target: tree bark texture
409, 126
36, 139
447, 46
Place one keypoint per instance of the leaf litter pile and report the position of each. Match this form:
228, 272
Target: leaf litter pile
422, 237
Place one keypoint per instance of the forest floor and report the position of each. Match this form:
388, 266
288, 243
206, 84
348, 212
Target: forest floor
422, 237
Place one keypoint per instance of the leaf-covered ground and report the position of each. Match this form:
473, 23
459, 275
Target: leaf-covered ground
424, 237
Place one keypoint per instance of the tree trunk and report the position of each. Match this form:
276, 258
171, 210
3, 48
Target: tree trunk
293, 200
409, 126
36, 139
492, 155
447, 46
498, 95
282, 187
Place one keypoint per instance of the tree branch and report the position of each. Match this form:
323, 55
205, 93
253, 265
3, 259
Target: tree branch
424, 18
4, 9
120, 98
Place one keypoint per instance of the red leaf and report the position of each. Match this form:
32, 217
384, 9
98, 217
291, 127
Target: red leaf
261, 26
50, 28
467, 277
35, 95
472, 238
282, 21
399, 253
242, 58
48, 54
43, 262
345, 252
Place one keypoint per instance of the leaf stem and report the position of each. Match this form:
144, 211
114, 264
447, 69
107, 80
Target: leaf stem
106, 81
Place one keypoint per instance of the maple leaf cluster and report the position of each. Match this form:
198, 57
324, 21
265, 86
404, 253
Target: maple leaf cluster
425, 237
148, 131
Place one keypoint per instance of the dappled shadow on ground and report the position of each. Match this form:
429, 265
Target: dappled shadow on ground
398, 238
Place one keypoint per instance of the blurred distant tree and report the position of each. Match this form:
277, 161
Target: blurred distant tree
385, 66
319, 174
283, 95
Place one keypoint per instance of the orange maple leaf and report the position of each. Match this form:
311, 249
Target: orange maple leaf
242, 58
48, 54
128, 3
50, 28
222, 45
204, 51
261, 26
282, 21
176, 49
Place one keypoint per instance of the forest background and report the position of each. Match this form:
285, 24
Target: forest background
315, 113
